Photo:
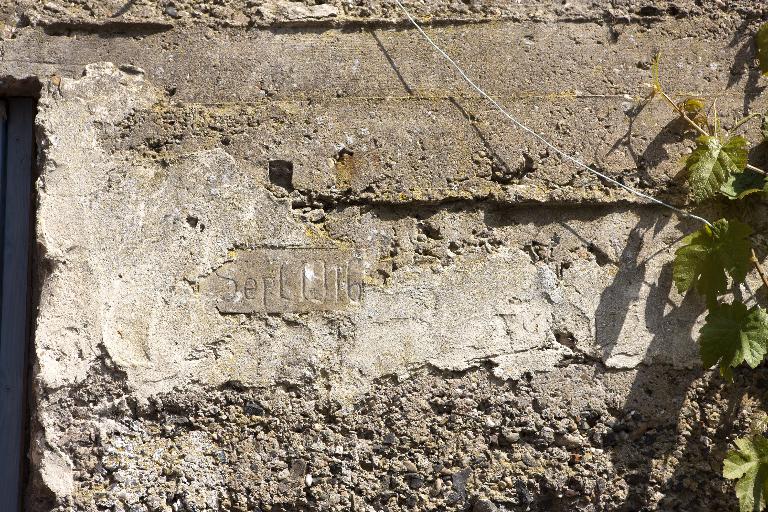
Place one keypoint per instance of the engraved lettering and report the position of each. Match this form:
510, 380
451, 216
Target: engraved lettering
290, 280
332, 283
269, 295
354, 282
250, 289
313, 283
231, 295
288, 286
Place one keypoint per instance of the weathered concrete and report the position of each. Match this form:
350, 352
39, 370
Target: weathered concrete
287, 261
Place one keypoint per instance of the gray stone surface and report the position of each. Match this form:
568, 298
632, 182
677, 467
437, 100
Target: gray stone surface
515, 344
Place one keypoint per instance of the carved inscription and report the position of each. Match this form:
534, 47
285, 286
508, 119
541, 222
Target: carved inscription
287, 281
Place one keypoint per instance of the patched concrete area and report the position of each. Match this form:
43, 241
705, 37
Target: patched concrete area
287, 261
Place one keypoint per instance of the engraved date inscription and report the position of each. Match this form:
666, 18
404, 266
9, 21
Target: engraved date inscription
292, 280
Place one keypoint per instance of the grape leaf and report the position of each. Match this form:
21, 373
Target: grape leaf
734, 334
692, 105
712, 163
749, 465
743, 184
762, 47
694, 109
707, 254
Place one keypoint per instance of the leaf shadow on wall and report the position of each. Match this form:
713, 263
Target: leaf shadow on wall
743, 62
655, 152
654, 433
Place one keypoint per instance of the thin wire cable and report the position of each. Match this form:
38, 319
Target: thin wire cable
541, 139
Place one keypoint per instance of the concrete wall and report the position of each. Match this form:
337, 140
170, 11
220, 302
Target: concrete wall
286, 260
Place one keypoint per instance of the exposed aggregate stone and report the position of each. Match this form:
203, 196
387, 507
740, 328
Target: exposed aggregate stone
435, 441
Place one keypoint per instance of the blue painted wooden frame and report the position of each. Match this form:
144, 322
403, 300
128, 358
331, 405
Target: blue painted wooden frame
16, 141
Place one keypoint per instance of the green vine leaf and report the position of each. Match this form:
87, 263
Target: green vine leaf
712, 163
732, 335
762, 47
694, 108
743, 184
707, 254
749, 465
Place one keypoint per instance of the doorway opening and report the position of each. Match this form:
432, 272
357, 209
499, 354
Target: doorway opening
16, 176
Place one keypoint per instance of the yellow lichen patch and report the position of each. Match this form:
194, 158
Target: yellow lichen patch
345, 170
313, 232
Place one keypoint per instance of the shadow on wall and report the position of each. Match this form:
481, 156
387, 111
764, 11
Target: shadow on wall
745, 55
693, 441
647, 416
645, 430
655, 436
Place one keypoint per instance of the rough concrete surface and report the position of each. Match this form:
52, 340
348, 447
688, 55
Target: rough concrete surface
286, 260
